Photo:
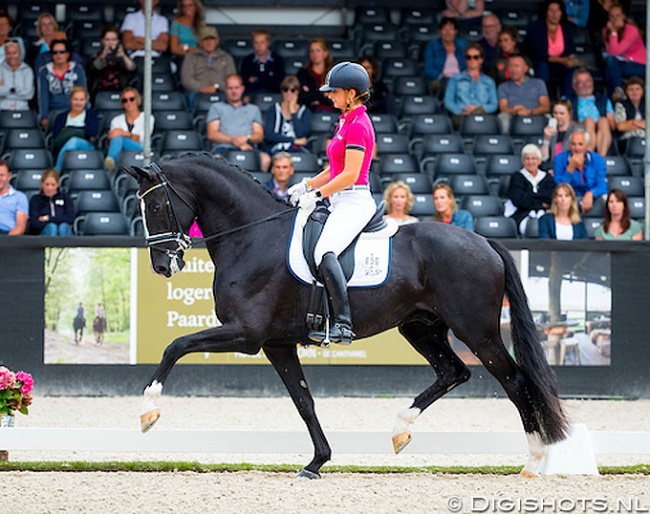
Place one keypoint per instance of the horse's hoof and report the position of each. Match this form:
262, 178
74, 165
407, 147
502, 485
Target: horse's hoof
148, 419
401, 441
305, 473
528, 474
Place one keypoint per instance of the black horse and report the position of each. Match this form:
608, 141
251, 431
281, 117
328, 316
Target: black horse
78, 324
441, 277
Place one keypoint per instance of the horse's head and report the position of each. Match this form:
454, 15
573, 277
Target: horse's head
166, 216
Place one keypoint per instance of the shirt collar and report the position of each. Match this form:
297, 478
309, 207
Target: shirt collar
269, 57
353, 113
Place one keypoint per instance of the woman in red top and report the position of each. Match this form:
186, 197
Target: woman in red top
345, 181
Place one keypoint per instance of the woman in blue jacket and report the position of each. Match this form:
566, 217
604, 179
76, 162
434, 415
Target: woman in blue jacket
51, 212
562, 221
287, 123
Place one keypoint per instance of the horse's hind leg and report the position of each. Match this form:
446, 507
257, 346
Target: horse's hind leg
429, 338
286, 363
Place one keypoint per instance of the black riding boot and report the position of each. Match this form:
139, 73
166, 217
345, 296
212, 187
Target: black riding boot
337, 290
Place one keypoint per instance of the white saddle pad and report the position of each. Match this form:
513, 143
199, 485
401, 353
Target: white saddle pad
372, 255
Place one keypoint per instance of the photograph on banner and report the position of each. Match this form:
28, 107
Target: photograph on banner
87, 306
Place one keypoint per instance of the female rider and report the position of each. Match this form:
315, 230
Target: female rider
345, 181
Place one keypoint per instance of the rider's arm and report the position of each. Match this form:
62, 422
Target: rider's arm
349, 175
322, 178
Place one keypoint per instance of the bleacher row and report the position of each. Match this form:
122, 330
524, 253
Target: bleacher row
415, 143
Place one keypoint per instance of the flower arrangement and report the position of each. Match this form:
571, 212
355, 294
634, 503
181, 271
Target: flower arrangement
15, 391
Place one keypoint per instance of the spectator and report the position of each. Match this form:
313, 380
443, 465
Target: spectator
447, 211
471, 91
625, 53
521, 95
531, 189
185, 28
549, 44
379, 94
557, 133
133, 32
287, 123
583, 169
46, 28
233, 125
75, 129
6, 25
56, 80
577, 12
282, 170
508, 46
490, 28
16, 80
399, 202
312, 76
444, 57
13, 205
112, 69
262, 70
562, 221
51, 212
593, 110
46, 56
205, 71
630, 113
463, 9
617, 224
127, 129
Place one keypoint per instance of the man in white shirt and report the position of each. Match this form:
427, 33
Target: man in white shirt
133, 32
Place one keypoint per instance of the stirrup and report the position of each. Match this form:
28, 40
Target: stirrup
339, 333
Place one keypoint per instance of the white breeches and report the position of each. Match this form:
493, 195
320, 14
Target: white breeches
351, 210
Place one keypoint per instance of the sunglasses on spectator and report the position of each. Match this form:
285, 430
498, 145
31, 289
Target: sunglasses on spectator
473, 56
129, 99
287, 89
56, 52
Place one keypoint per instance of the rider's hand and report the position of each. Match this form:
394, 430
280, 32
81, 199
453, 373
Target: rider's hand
297, 190
308, 201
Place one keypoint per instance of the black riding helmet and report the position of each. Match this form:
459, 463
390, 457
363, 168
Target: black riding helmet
347, 75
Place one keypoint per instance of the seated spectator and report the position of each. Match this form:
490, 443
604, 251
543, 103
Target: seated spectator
46, 56
556, 133
205, 70
490, 30
111, 69
625, 53
56, 80
184, 29
463, 9
447, 211
234, 125
46, 29
287, 123
522, 95
630, 113
471, 91
583, 169
75, 129
399, 202
127, 130
262, 70
508, 46
531, 189
562, 222
133, 32
312, 77
593, 110
282, 170
14, 207
444, 57
16, 80
577, 12
6, 26
549, 44
51, 212
379, 93
617, 224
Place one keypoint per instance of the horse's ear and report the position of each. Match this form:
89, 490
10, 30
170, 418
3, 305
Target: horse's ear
138, 173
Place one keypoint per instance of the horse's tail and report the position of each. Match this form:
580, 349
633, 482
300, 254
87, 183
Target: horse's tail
541, 384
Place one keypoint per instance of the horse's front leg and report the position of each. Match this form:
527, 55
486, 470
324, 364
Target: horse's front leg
223, 339
286, 363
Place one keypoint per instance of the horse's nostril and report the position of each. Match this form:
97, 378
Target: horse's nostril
161, 270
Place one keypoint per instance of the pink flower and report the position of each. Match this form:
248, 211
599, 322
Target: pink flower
7, 378
27, 381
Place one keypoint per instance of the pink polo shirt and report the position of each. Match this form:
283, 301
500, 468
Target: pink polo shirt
355, 131
630, 46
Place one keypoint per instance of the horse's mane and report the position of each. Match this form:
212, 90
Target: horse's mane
216, 165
